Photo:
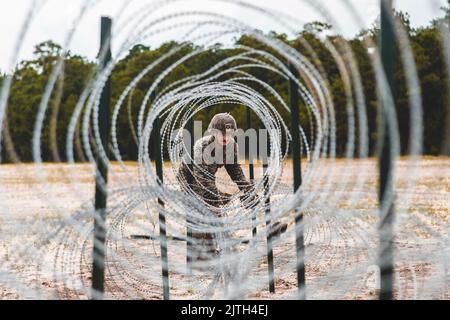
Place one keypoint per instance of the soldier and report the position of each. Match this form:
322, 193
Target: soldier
219, 149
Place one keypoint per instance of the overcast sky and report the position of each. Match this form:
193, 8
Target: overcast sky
53, 20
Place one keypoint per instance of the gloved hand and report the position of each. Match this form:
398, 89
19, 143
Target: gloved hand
250, 199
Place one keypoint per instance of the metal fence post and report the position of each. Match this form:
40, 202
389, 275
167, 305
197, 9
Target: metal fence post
99, 249
251, 165
190, 179
386, 167
270, 263
297, 171
159, 157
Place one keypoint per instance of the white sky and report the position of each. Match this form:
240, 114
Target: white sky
55, 17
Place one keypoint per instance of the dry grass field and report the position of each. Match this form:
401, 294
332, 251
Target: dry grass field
45, 239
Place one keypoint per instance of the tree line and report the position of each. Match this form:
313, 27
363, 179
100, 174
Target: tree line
30, 78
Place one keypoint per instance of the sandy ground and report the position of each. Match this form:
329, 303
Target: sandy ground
46, 236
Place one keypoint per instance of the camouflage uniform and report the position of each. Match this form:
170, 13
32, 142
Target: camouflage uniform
205, 167
204, 171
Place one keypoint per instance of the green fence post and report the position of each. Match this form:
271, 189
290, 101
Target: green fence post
159, 157
190, 179
99, 249
270, 263
386, 167
251, 165
297, 170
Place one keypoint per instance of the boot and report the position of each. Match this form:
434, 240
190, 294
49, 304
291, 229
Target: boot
204, 247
